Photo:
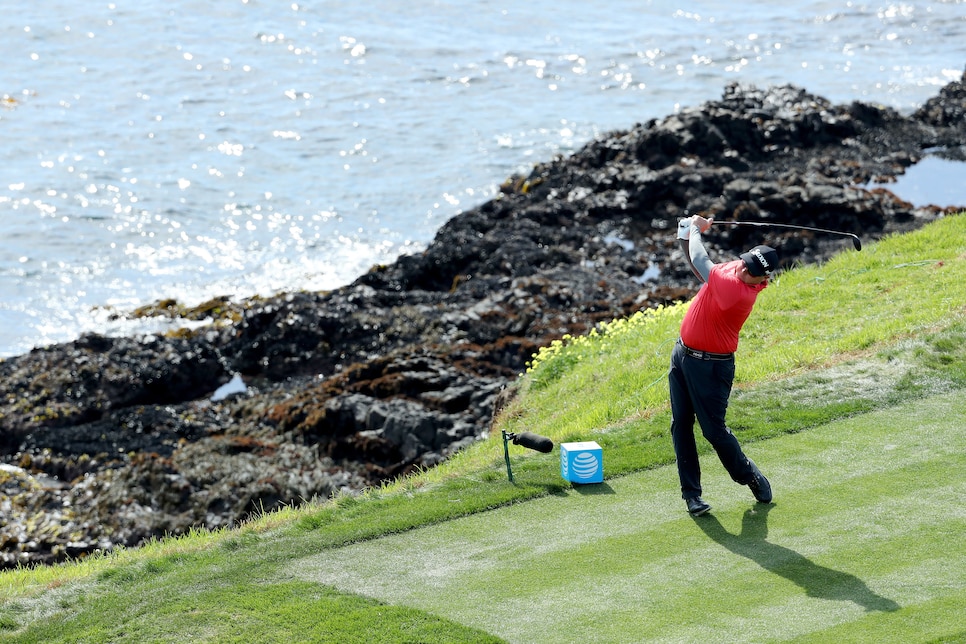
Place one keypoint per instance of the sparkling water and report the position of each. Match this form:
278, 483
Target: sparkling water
174, 149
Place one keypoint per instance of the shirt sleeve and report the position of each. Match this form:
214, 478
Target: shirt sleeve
699, 256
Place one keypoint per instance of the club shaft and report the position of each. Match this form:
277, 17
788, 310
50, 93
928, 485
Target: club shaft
765, 224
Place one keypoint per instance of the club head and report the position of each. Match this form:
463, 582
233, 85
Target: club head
856, 242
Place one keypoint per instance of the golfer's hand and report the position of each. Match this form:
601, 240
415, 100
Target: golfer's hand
702, 223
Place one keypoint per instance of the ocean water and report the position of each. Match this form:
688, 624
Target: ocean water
171, 148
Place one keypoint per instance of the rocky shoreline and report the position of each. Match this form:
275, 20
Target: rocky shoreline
110, 441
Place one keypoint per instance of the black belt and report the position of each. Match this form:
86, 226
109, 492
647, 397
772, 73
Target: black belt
705, 355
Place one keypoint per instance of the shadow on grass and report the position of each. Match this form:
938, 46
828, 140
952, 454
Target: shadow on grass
592, 489
817, 581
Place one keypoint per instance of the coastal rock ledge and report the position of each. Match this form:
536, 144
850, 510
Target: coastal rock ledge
109, 441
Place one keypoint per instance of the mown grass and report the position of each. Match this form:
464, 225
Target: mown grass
866, 331
850, 539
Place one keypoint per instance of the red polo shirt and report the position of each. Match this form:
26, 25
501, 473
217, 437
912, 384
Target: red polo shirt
719, 310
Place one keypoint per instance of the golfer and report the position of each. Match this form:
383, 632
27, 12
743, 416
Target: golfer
703, 362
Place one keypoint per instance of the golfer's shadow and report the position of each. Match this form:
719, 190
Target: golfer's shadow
816, 581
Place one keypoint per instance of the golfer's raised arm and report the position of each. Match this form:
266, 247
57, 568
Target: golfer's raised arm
697, 254
685, 227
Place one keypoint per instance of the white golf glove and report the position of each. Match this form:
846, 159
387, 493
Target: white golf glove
684, 228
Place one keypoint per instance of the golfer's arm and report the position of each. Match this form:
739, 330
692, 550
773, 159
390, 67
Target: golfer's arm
699, 256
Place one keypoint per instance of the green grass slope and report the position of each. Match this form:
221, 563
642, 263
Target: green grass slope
863, 542
848, 396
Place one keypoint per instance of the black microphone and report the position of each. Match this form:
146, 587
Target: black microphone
534, 442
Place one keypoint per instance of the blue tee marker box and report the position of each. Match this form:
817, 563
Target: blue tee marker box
582, 462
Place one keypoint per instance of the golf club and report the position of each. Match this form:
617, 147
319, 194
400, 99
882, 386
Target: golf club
855, 238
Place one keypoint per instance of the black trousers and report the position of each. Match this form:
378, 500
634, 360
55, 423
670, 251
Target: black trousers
700, 390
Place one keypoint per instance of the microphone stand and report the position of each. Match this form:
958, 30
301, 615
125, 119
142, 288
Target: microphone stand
506, 454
